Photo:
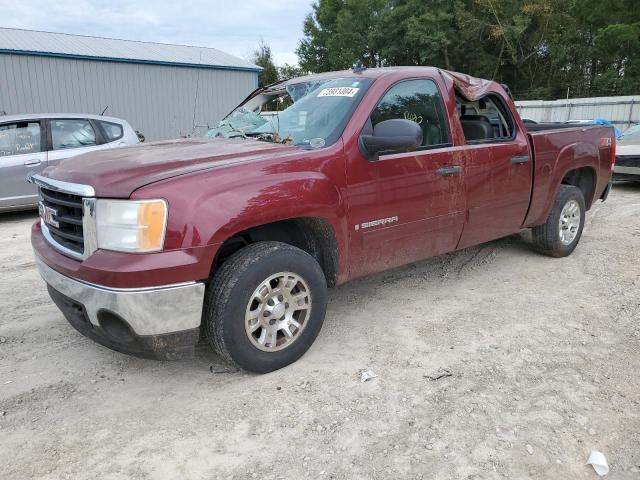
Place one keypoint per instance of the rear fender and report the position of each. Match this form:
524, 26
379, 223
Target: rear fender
550, 173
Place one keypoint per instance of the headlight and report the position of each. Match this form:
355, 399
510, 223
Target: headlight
131, 225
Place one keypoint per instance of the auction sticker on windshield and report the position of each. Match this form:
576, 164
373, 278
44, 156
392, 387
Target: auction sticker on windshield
338, 92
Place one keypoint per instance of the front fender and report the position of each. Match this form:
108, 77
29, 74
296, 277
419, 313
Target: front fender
207, 209
274, 198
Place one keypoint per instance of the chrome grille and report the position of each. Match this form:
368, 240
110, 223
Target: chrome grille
67, 212
62, 214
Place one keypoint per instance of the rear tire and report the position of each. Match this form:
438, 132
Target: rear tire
560, 234
265, 306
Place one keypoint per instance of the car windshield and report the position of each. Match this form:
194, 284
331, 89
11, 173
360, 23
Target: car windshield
308, 114
631, 134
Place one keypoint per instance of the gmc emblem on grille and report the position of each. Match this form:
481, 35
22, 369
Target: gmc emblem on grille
48, 214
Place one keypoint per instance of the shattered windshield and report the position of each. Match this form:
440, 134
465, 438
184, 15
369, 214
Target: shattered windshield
316, 114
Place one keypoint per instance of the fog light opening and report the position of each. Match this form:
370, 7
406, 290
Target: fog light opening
115, 327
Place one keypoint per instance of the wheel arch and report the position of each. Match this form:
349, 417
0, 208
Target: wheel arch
585, 179
312, 234
576, 164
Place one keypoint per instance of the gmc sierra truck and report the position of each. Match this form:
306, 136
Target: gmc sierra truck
235, 238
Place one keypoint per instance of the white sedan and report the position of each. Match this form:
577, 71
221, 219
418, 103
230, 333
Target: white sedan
627, 166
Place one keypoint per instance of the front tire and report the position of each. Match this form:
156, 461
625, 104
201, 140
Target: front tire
559, 236
265, 306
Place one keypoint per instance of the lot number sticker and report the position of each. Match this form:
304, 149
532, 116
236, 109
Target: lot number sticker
338, 92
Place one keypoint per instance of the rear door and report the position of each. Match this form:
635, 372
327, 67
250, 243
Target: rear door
22, 153
406, 206
499, 169
69, 137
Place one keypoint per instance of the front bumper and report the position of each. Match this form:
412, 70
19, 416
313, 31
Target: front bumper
627, 167
156, 322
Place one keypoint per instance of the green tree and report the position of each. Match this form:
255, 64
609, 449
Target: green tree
339, 33
616, 48
263, 57
421, 32
287, 71
539, 47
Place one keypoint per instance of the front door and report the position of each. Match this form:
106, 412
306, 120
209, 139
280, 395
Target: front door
403, 207
21, 154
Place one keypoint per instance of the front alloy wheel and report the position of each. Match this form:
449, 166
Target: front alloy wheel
265, 306
277, 311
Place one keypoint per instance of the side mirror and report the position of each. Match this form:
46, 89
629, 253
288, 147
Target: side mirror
396, 135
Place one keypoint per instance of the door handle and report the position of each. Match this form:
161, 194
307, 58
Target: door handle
32, 163
519, 159
450, 170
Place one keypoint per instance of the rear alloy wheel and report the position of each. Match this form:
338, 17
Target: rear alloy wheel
570, 222
265, 306
560, 234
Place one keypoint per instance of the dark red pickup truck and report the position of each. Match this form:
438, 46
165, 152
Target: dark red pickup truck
236, 238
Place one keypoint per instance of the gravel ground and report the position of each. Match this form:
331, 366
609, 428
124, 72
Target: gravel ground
544, 356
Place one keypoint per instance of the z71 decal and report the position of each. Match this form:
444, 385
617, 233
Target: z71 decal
375, 223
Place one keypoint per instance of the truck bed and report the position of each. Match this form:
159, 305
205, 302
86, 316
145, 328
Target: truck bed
556, 147
540, 127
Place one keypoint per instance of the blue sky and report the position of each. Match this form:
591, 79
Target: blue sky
235, 27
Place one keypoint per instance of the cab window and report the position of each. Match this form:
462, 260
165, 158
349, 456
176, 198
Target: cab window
20, 138
72, 133
419, 101
485, 120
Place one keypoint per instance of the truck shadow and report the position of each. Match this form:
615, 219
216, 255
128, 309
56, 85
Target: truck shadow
458, 264
630, 187
462, 263
18, 216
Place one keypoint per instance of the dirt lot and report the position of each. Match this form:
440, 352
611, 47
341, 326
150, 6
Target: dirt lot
544, 356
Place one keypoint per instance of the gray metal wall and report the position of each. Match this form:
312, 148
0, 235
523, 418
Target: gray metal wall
621, 111
157, 100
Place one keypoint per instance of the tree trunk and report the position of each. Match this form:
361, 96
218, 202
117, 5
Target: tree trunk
447, 65
495, 72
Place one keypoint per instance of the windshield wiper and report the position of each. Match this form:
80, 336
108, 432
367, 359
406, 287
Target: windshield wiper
272, 137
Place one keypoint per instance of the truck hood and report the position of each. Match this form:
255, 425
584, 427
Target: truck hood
118, 172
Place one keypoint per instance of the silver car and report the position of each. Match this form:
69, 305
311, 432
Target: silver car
627, 165
30, 143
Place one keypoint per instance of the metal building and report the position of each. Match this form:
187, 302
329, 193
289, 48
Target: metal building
621, 111
164, 91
